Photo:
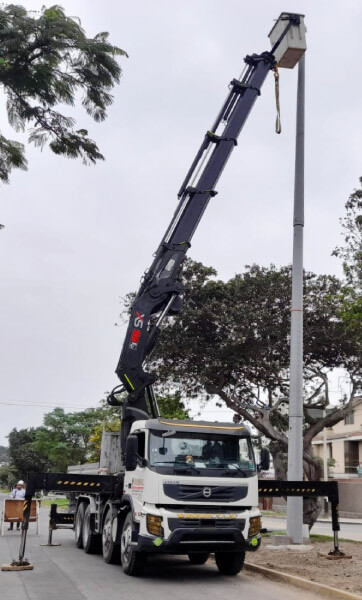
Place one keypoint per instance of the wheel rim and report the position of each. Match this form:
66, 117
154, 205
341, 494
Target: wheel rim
86, 527
126, 544
107, 535
78, 526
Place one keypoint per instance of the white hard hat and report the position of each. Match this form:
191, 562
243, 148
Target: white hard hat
20, 482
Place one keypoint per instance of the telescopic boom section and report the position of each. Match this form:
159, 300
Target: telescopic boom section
161, 290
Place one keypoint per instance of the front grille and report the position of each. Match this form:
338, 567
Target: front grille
207, 537
212, 493
203, 523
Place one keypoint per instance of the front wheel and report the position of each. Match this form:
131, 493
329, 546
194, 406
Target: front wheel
132, 561
229, 563
198, 558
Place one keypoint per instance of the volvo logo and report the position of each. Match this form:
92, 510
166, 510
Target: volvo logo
206, 492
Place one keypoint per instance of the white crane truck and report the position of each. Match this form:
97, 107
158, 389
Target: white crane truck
177, 487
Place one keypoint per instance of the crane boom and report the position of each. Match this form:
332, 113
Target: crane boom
160, 292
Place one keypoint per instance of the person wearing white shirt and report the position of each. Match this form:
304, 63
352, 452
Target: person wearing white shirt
18, 493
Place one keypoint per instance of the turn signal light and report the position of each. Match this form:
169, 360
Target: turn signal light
154, 525
254, 526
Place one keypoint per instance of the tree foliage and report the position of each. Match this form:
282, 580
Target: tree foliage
232, 340
8, 476
351, 255
172, 407
351, 251
24, 458
4, 454
64, 438
46, 59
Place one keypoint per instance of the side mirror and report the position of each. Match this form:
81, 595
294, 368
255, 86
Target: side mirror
131, 452
264, 459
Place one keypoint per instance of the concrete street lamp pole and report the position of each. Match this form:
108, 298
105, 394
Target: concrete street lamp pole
295, 446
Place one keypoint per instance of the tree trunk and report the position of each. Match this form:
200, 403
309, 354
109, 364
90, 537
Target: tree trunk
312, 507
279, 462
312, 472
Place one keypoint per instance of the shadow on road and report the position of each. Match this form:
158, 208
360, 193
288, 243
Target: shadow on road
167, 568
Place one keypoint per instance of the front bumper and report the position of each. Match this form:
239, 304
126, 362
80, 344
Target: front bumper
186, 540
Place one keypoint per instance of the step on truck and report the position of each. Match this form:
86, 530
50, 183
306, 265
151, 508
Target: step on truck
178, 487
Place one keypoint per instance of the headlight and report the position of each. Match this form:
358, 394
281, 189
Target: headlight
154, 525
254, 526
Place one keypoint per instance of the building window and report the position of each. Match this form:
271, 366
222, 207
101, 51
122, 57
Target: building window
349, 419
350, 457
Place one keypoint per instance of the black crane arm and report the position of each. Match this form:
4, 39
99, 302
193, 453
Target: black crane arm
161, 289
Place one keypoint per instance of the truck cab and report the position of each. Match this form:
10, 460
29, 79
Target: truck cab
191, 488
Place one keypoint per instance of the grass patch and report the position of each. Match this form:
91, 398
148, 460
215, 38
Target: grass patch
313, 537
273, 513
61, 502
271, 533
2, 491
329, 538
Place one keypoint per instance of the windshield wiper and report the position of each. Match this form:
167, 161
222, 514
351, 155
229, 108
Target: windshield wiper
186, 468
238, 470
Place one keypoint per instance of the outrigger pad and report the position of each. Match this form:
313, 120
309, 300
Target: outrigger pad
18, 565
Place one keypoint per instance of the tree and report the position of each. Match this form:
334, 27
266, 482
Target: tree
172, 407
351, 251
232, 340
111, 421
64, 438
24, 458
351, 255
4, 454
46, 59
8, 476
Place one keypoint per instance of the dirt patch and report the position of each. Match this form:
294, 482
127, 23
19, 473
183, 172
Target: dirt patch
312, 564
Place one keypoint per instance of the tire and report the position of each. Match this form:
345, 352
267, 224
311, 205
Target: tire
78, 525
198, 558
91, 541
133, 562
110, 548
229, 563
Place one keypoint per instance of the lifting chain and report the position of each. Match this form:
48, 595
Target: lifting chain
278, 125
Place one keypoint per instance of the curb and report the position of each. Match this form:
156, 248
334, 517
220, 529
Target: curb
302, 583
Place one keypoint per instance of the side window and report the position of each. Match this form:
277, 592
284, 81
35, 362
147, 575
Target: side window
141, 443
244, 450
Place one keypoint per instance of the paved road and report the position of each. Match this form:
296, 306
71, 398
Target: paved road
349, 531
66, 572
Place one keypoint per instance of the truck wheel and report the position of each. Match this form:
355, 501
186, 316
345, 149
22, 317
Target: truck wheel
132, 561
91, 541
198, 558
78, 525
229, 563
110, 548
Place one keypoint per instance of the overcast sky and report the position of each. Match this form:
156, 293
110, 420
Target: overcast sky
77, 238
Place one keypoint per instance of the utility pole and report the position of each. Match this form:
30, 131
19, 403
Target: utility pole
295, 445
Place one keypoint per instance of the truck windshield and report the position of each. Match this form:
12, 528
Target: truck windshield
201, 451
